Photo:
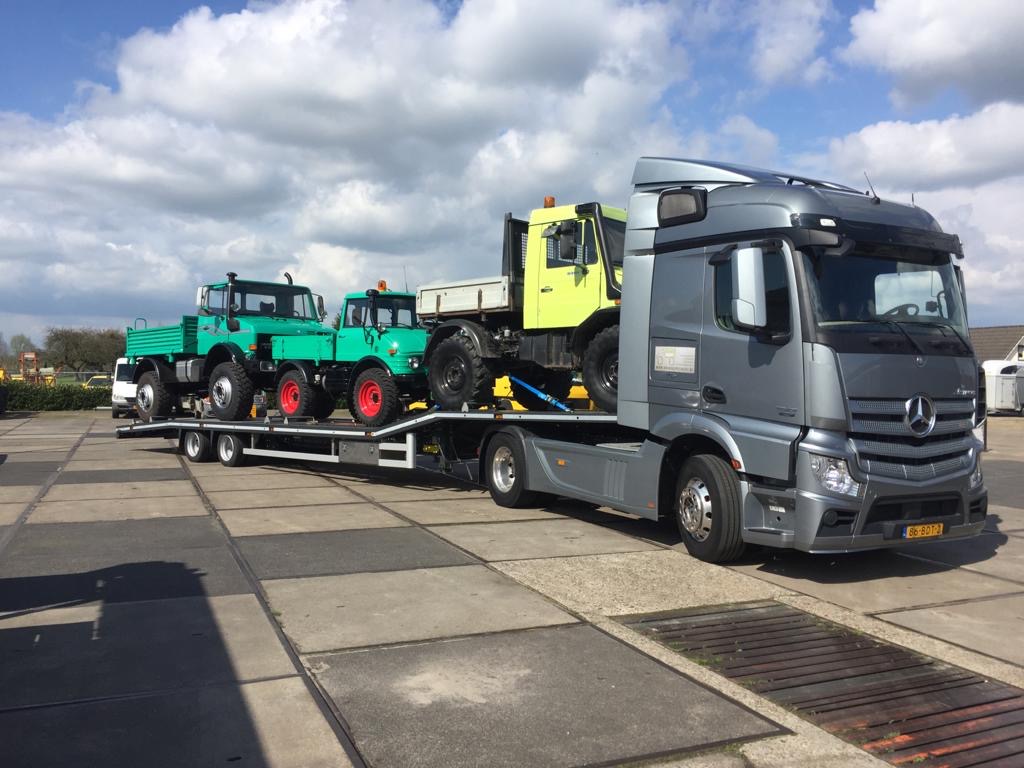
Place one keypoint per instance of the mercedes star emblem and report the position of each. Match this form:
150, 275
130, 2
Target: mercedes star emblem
920, 415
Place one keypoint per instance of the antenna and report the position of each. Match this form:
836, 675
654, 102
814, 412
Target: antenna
874, 195
912, 200
406, 278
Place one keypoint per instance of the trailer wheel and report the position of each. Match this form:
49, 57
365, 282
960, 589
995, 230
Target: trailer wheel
707, 509
296, 397
555, 383
458, 375
153, 399
196, 446
375, 399
506, 473
229, 450
231, 392
601, 369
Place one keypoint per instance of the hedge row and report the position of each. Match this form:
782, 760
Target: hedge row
61, 397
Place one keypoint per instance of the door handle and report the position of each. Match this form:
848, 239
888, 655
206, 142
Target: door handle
546, 289
713, 395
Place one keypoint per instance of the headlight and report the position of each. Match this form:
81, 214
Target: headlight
414, 362
834, 475
976, 476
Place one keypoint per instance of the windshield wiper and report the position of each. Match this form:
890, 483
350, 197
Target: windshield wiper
943, 326
896, 324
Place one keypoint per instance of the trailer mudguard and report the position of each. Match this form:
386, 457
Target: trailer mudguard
476, 332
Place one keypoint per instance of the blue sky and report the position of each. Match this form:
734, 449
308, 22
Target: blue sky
311, 134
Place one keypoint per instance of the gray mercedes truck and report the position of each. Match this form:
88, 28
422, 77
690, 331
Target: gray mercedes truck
794, 371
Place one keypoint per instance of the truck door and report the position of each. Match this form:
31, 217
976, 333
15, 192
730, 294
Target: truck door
754, 381
569, 288
212, 328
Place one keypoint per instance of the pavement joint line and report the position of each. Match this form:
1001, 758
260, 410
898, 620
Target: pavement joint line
331, 714
966, 567
8, 535
356, 573
135, 695
947, 603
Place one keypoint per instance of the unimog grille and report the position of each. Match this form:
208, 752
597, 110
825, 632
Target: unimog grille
886, 446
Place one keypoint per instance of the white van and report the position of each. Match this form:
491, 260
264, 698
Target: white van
123, 398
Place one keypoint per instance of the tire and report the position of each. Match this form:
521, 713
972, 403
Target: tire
324, 405
601, 369
153, 400
506, 473
196, 446
554, 383
458, 375
296, 398
375, 399
115, 414
707, 509
229, 450
231, 392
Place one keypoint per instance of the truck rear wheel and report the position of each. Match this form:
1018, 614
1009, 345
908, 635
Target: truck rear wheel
153, 400
707, 509
601, 369
296, 397
458, 375
231, 392
506, 473
375, 398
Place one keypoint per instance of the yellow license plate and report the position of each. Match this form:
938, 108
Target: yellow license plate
922, 531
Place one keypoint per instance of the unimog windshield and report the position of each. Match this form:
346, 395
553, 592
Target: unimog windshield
264, 300
886, 299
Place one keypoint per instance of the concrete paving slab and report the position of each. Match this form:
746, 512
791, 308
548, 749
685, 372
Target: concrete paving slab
420, 486
98, 510
332, 517
555, 697
130, 462
27, 472
1003, 518
121, 491
16, 458
215, 468
46, 565
10, 449
97, 650
120, 475
281, 497
538, 538
331, 612
11, 512
870, 581
991, 626
292, 555
261, 482
636, 582
270, 724
995, 554
10, 494
476, 510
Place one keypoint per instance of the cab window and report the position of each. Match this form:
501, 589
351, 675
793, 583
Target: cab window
776, 283
586, 245
356, 312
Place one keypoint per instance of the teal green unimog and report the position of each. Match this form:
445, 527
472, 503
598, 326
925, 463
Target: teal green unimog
248, 335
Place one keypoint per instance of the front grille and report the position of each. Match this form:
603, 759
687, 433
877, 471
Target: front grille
886, 446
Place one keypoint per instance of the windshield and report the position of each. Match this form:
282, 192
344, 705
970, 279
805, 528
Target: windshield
392, 312
265, 300
887, 299
614, 239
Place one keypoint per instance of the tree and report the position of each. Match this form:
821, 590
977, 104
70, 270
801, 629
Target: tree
5, 350
84, 348
21, 343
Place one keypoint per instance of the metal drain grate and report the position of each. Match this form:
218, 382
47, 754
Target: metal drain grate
900, 706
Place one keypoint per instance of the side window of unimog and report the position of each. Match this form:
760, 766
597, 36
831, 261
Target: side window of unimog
585, 244
355, 313
776, 284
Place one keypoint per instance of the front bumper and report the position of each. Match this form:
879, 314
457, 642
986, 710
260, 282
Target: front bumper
809, 519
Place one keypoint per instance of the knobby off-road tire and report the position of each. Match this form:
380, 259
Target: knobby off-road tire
375, 399
197, 446
506, 473
231, 392
601, 369
296, 397
324, 405
554, 383
457, 375
708, 509
153, 399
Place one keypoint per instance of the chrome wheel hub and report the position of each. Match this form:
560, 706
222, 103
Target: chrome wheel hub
221, 392
695, 510
144, 397
503, 469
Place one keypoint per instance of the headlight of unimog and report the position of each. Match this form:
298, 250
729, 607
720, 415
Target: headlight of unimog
414, 362
834, 475
976, 476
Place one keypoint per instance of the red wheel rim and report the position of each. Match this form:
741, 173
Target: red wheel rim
289, 398
369, 397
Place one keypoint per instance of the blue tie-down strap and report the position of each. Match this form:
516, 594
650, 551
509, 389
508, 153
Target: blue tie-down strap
542, 395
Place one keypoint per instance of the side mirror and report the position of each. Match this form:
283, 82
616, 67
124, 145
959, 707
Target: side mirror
750, 303
321, 310
567, 241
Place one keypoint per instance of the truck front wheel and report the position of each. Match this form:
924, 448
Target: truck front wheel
458, 375
601, 369
231, 392
506, 473
707, 509
375, 398
153, 400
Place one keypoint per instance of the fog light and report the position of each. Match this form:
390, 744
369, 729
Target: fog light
976, 476
834, 475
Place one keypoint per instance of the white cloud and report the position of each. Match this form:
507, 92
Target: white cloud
929, 46
787, 34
